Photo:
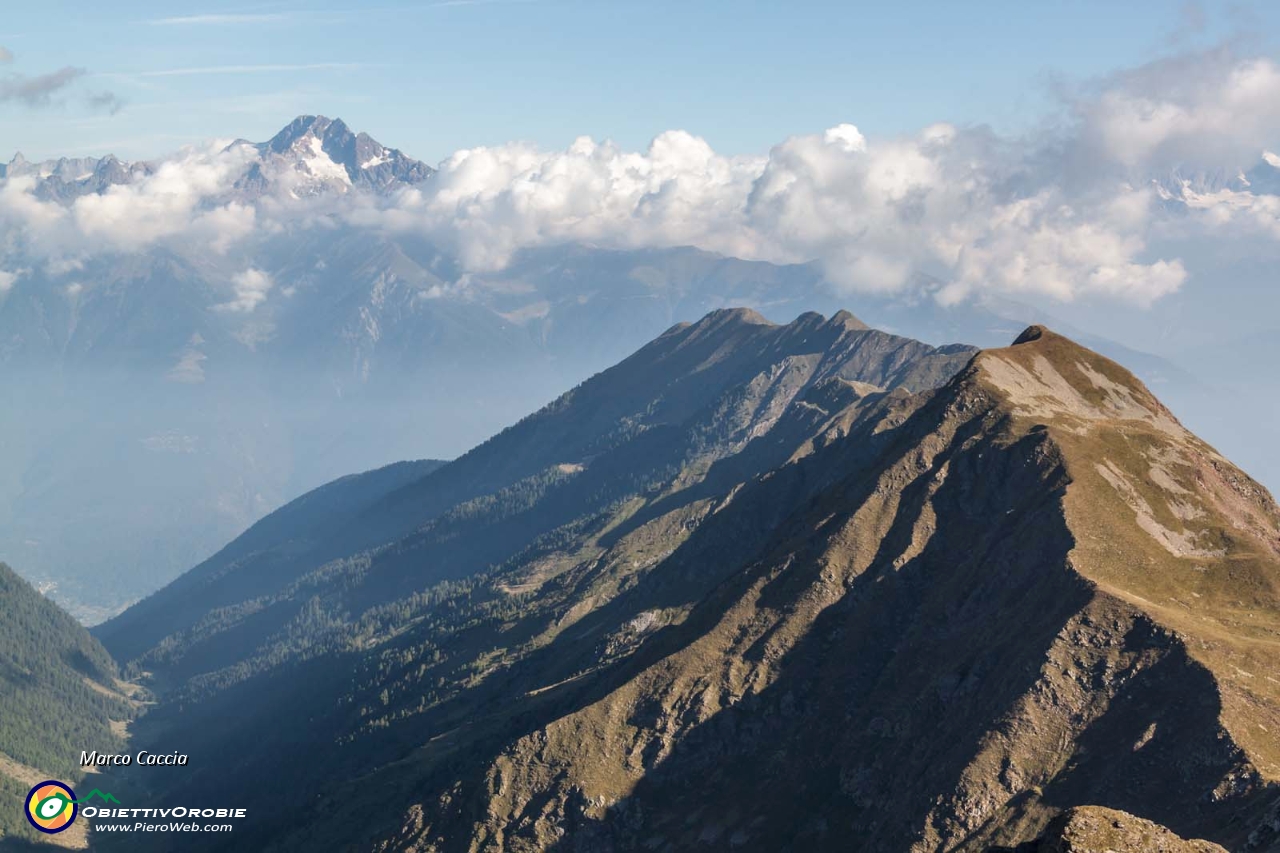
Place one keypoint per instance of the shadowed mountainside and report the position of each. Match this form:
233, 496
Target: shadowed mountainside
58, 694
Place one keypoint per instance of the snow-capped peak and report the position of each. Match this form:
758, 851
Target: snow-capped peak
312, 155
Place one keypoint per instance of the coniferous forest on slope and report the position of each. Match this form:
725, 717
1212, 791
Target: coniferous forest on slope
57, 689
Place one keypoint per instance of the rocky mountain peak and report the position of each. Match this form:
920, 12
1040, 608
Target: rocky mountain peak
302, 127
311, 155
19, 165
1048, 377
847, 320
1031, 333
748, 316
315, 153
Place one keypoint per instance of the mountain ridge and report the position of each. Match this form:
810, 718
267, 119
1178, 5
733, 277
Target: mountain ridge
939, 619
560, 434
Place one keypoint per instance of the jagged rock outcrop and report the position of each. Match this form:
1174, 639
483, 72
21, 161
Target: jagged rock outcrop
1096, 830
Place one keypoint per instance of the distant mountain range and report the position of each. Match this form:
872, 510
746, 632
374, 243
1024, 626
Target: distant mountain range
163, 399
1179, 188
758, 587
313, 155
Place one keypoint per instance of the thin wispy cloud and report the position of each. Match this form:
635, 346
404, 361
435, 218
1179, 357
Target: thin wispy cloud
332, 16
442, 4
447, 4
220, 20
6, 55
241, 69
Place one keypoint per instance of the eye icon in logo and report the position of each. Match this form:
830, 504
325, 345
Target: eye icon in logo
51, 806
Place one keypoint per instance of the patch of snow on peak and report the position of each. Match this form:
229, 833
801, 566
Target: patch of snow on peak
321, 166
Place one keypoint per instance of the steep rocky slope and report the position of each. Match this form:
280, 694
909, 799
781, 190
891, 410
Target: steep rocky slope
776, 608
697, 393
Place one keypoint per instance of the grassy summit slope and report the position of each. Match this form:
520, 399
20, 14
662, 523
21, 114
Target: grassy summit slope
1163, 522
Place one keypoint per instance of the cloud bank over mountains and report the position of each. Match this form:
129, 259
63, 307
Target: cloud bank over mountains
1105, 199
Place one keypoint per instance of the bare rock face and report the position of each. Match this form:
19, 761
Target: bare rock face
1090, 829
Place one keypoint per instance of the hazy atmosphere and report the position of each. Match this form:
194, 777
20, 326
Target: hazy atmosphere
364, 350
1124, 188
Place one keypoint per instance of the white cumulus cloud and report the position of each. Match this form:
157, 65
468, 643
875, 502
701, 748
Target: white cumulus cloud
251, 288
178, 200
1066, 212
1102, 201
170, 201
1211, 110
879, 215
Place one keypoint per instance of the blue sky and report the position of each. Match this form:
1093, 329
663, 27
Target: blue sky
434, 77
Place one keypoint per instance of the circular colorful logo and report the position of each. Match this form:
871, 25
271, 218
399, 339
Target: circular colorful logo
51, 806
